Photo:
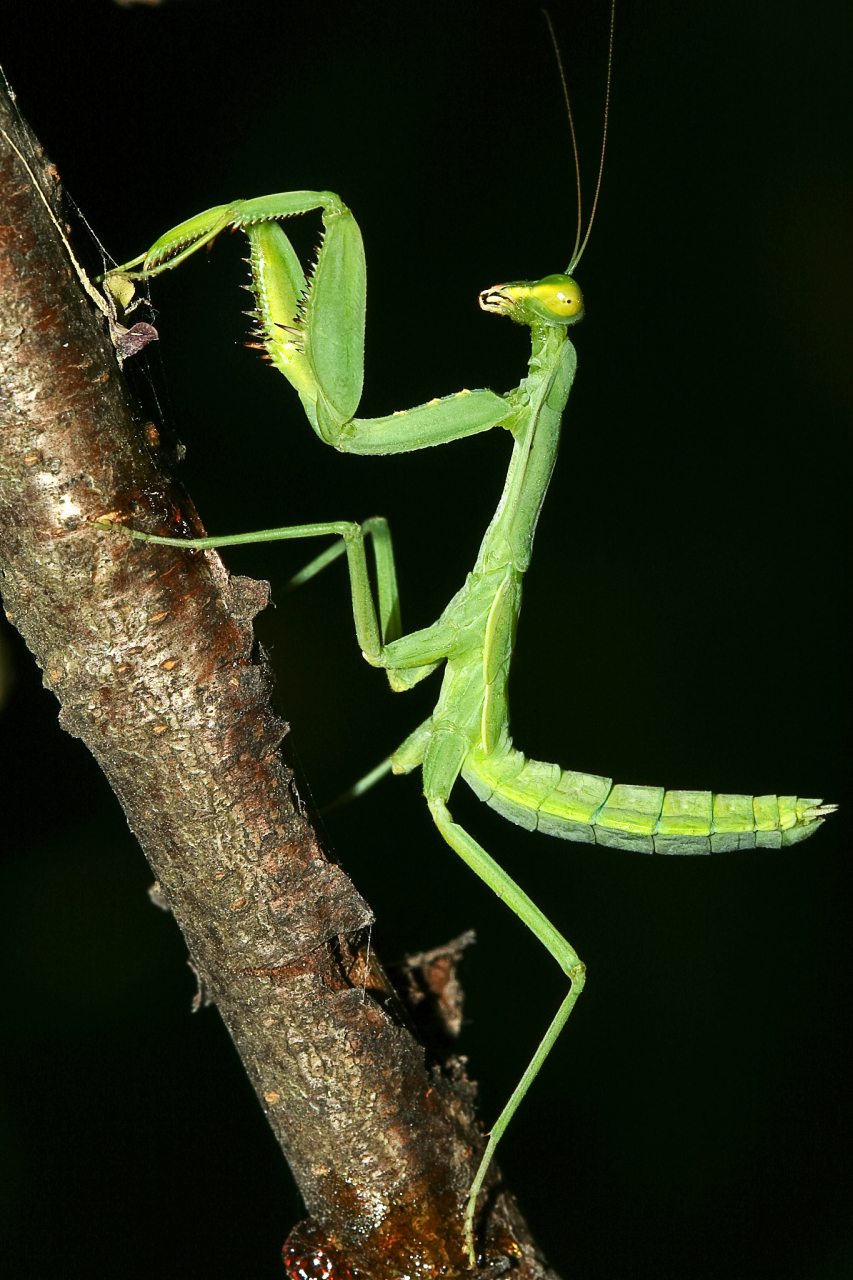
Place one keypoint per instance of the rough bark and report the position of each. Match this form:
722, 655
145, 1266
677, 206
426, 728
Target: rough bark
151, 655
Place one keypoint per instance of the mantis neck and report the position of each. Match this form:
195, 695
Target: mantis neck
540, 398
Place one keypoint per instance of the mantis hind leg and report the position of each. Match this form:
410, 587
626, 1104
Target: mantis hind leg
517, 900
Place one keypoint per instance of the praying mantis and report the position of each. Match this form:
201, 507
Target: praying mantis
313, 332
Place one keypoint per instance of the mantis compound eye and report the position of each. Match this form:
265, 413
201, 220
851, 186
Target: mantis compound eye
561, 296
555, 300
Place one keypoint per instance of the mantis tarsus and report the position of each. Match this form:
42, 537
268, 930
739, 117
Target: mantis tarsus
314, 333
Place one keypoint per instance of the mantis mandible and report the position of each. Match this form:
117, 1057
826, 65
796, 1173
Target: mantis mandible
313, 332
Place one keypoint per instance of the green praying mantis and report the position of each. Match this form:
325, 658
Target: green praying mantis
313, 332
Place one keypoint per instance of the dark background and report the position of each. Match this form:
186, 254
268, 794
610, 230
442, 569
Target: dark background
685, 621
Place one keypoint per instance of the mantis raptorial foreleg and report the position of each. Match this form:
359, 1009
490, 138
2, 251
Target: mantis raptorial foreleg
315, 335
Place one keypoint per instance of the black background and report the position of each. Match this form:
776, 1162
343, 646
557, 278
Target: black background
685, 618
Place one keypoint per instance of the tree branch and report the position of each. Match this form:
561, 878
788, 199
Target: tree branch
150, 652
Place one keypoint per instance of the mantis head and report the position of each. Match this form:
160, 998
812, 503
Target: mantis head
555, 300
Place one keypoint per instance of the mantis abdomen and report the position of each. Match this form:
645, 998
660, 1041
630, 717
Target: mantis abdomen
585, 807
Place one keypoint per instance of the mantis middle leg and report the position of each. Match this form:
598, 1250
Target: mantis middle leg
407, 659
373, 632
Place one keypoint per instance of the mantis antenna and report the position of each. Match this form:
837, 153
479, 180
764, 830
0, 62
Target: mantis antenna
577, 251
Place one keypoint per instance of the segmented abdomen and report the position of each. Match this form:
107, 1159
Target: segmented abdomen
582, 806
